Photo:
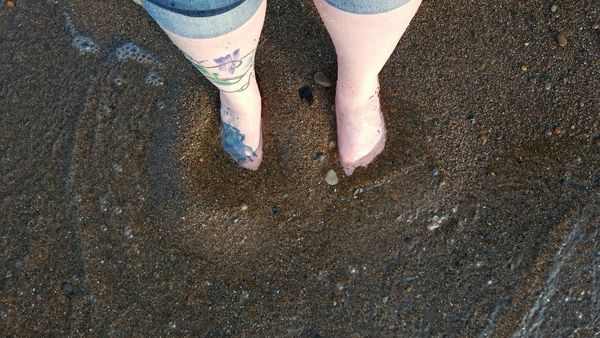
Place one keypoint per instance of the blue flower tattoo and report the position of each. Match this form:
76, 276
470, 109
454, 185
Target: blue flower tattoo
232, 141
229, 62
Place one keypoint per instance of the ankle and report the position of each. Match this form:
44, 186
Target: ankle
357, 88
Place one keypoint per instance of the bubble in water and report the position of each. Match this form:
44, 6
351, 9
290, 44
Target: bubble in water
117, 167
103, 204
70, 25
117, 210
154, 79
130, 51
106, 108
84, 44
128, 231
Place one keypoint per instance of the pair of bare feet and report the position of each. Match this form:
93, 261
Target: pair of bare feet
360, 125
363, 45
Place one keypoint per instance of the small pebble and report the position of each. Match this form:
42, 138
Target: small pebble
68, 288
471, 117
524, 68
319, 156
331, 145
305, 93
275, 209
394, 196
322, 80
483, 138
557, 130
331, 177
595, 26
553, 8
547, 86
10, 4
244, 207
561, 39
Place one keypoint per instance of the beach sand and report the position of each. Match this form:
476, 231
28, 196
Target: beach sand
121, 215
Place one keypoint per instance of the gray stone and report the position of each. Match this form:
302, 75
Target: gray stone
322, 80
331, 178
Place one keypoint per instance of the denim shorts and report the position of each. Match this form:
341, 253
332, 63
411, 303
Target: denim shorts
203, 19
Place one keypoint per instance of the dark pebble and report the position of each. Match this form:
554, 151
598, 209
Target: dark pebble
471, 117
306, 94
68, 288
319, 156
275, 209
408, 240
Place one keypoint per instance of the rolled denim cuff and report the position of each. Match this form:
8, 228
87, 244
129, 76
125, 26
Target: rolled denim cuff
367, 6
201, 21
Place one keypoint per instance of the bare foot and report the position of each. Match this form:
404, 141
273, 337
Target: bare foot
360, 125
240, 126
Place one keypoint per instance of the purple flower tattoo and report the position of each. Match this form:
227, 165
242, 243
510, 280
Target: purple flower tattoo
229, 62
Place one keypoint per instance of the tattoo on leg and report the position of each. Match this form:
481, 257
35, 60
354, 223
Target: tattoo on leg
232, 141
228, 64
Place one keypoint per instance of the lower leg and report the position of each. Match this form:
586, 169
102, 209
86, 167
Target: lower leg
227, 61
363, 44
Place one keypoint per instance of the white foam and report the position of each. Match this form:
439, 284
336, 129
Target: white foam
83, 43
154, 79
131, 51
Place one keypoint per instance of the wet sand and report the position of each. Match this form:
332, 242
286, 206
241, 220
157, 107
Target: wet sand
121, 216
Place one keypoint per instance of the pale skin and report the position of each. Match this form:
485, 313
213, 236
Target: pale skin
363, 45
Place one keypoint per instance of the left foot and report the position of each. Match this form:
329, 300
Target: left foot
241, 135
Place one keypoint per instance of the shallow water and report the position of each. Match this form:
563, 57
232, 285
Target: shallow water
121, 215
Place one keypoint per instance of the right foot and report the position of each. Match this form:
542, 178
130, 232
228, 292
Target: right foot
360, 126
